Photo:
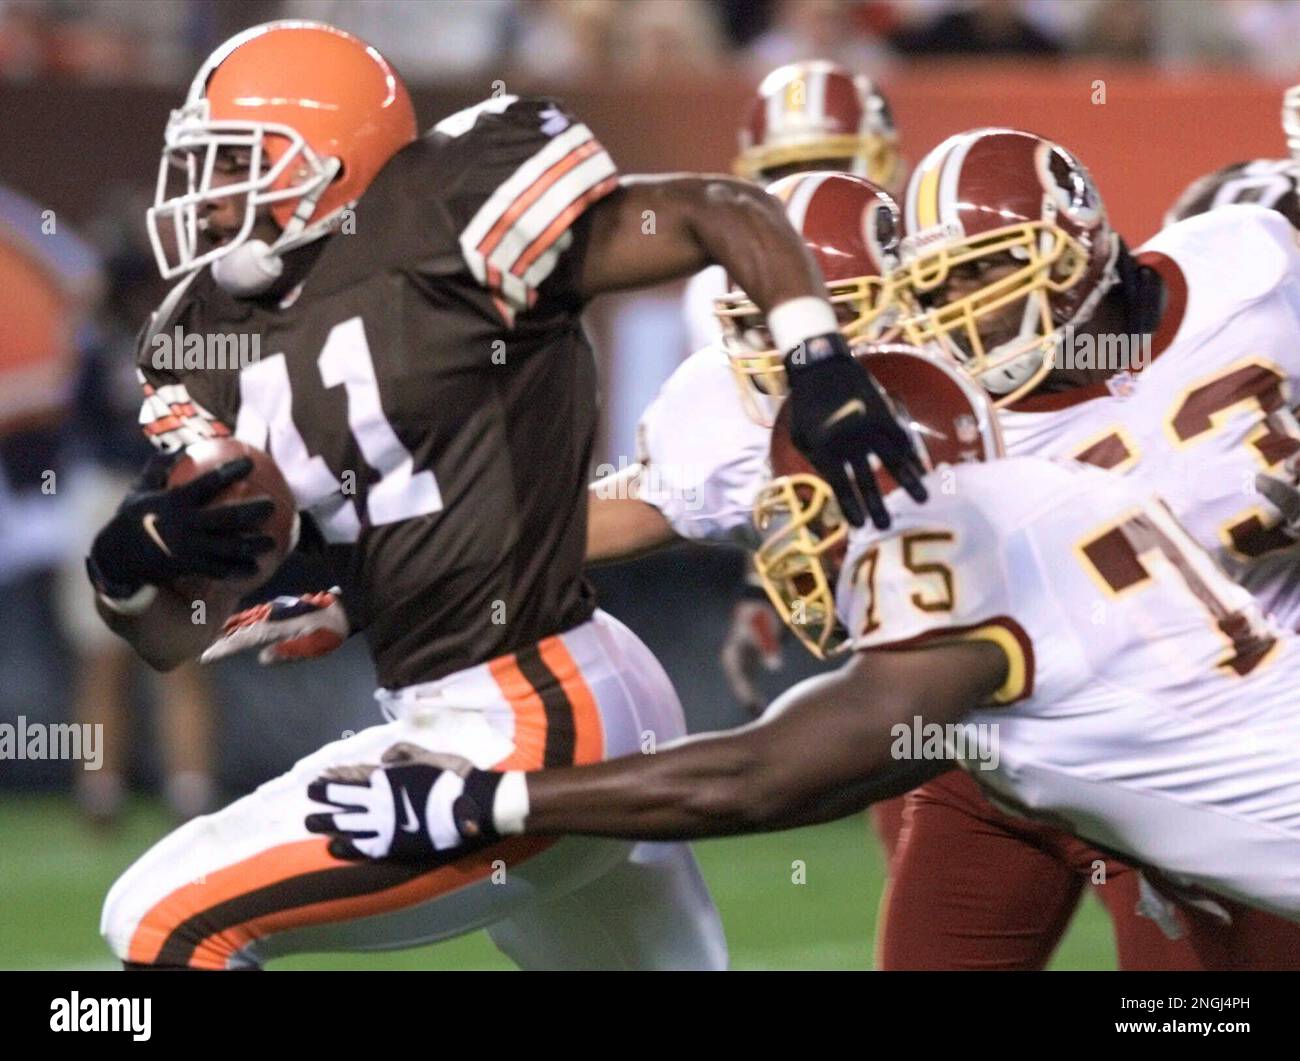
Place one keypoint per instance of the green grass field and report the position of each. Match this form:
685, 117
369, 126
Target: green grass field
54, 872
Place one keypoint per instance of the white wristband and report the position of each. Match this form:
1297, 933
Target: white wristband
138, 602
510, 804
797, 319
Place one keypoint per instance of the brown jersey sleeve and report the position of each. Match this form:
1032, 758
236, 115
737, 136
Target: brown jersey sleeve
528, 170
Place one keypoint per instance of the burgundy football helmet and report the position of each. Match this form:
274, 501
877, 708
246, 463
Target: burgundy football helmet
949, 419
813, 114
1007, 242
852, 228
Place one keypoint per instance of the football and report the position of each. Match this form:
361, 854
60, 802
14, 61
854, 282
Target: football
265, 480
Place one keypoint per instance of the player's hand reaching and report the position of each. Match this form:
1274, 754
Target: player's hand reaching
416, 806
160, 534
286, 629
838, 417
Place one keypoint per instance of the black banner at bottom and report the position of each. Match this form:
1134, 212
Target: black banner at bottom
385, 1009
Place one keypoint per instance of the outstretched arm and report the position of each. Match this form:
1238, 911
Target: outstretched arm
822, 751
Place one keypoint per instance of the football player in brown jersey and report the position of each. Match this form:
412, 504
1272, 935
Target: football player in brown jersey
804, 116
424, 384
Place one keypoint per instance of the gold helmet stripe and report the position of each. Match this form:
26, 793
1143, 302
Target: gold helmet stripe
927, 195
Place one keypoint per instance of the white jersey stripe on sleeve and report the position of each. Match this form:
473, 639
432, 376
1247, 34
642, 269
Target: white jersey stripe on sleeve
518, 182
549, 218
531, 248
525, 207
556, 239
521, 189
546, 205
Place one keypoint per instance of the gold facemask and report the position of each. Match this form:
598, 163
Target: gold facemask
801, 525
864, 306
873, 157
1054, 262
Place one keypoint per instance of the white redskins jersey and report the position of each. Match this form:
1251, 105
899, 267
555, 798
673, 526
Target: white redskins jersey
1211, 409
1149, 706
702, 289
704, 458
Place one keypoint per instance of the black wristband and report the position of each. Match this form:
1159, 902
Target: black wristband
815, 351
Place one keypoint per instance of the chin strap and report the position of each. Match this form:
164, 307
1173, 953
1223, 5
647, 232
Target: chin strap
248, 270
253, 266
1144, 293
1136, 288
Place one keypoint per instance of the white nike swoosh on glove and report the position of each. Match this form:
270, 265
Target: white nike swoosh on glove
412, 823
852, 407
150, 520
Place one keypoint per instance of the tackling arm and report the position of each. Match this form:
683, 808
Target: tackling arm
822, 751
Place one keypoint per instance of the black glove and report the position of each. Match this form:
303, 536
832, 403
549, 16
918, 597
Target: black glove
159, 535
399, 812
838, 416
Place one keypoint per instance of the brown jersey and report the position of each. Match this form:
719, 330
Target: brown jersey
1273, 183
427, 391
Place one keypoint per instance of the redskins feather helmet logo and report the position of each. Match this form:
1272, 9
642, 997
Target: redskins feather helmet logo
881, 230
1068, 185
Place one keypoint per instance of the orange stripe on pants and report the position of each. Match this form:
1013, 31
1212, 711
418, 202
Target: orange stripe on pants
589, 743
530, 715
286, 861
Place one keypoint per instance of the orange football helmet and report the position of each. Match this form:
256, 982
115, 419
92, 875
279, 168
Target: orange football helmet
320, 112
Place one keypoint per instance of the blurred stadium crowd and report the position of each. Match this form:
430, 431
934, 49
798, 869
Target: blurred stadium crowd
161, 42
